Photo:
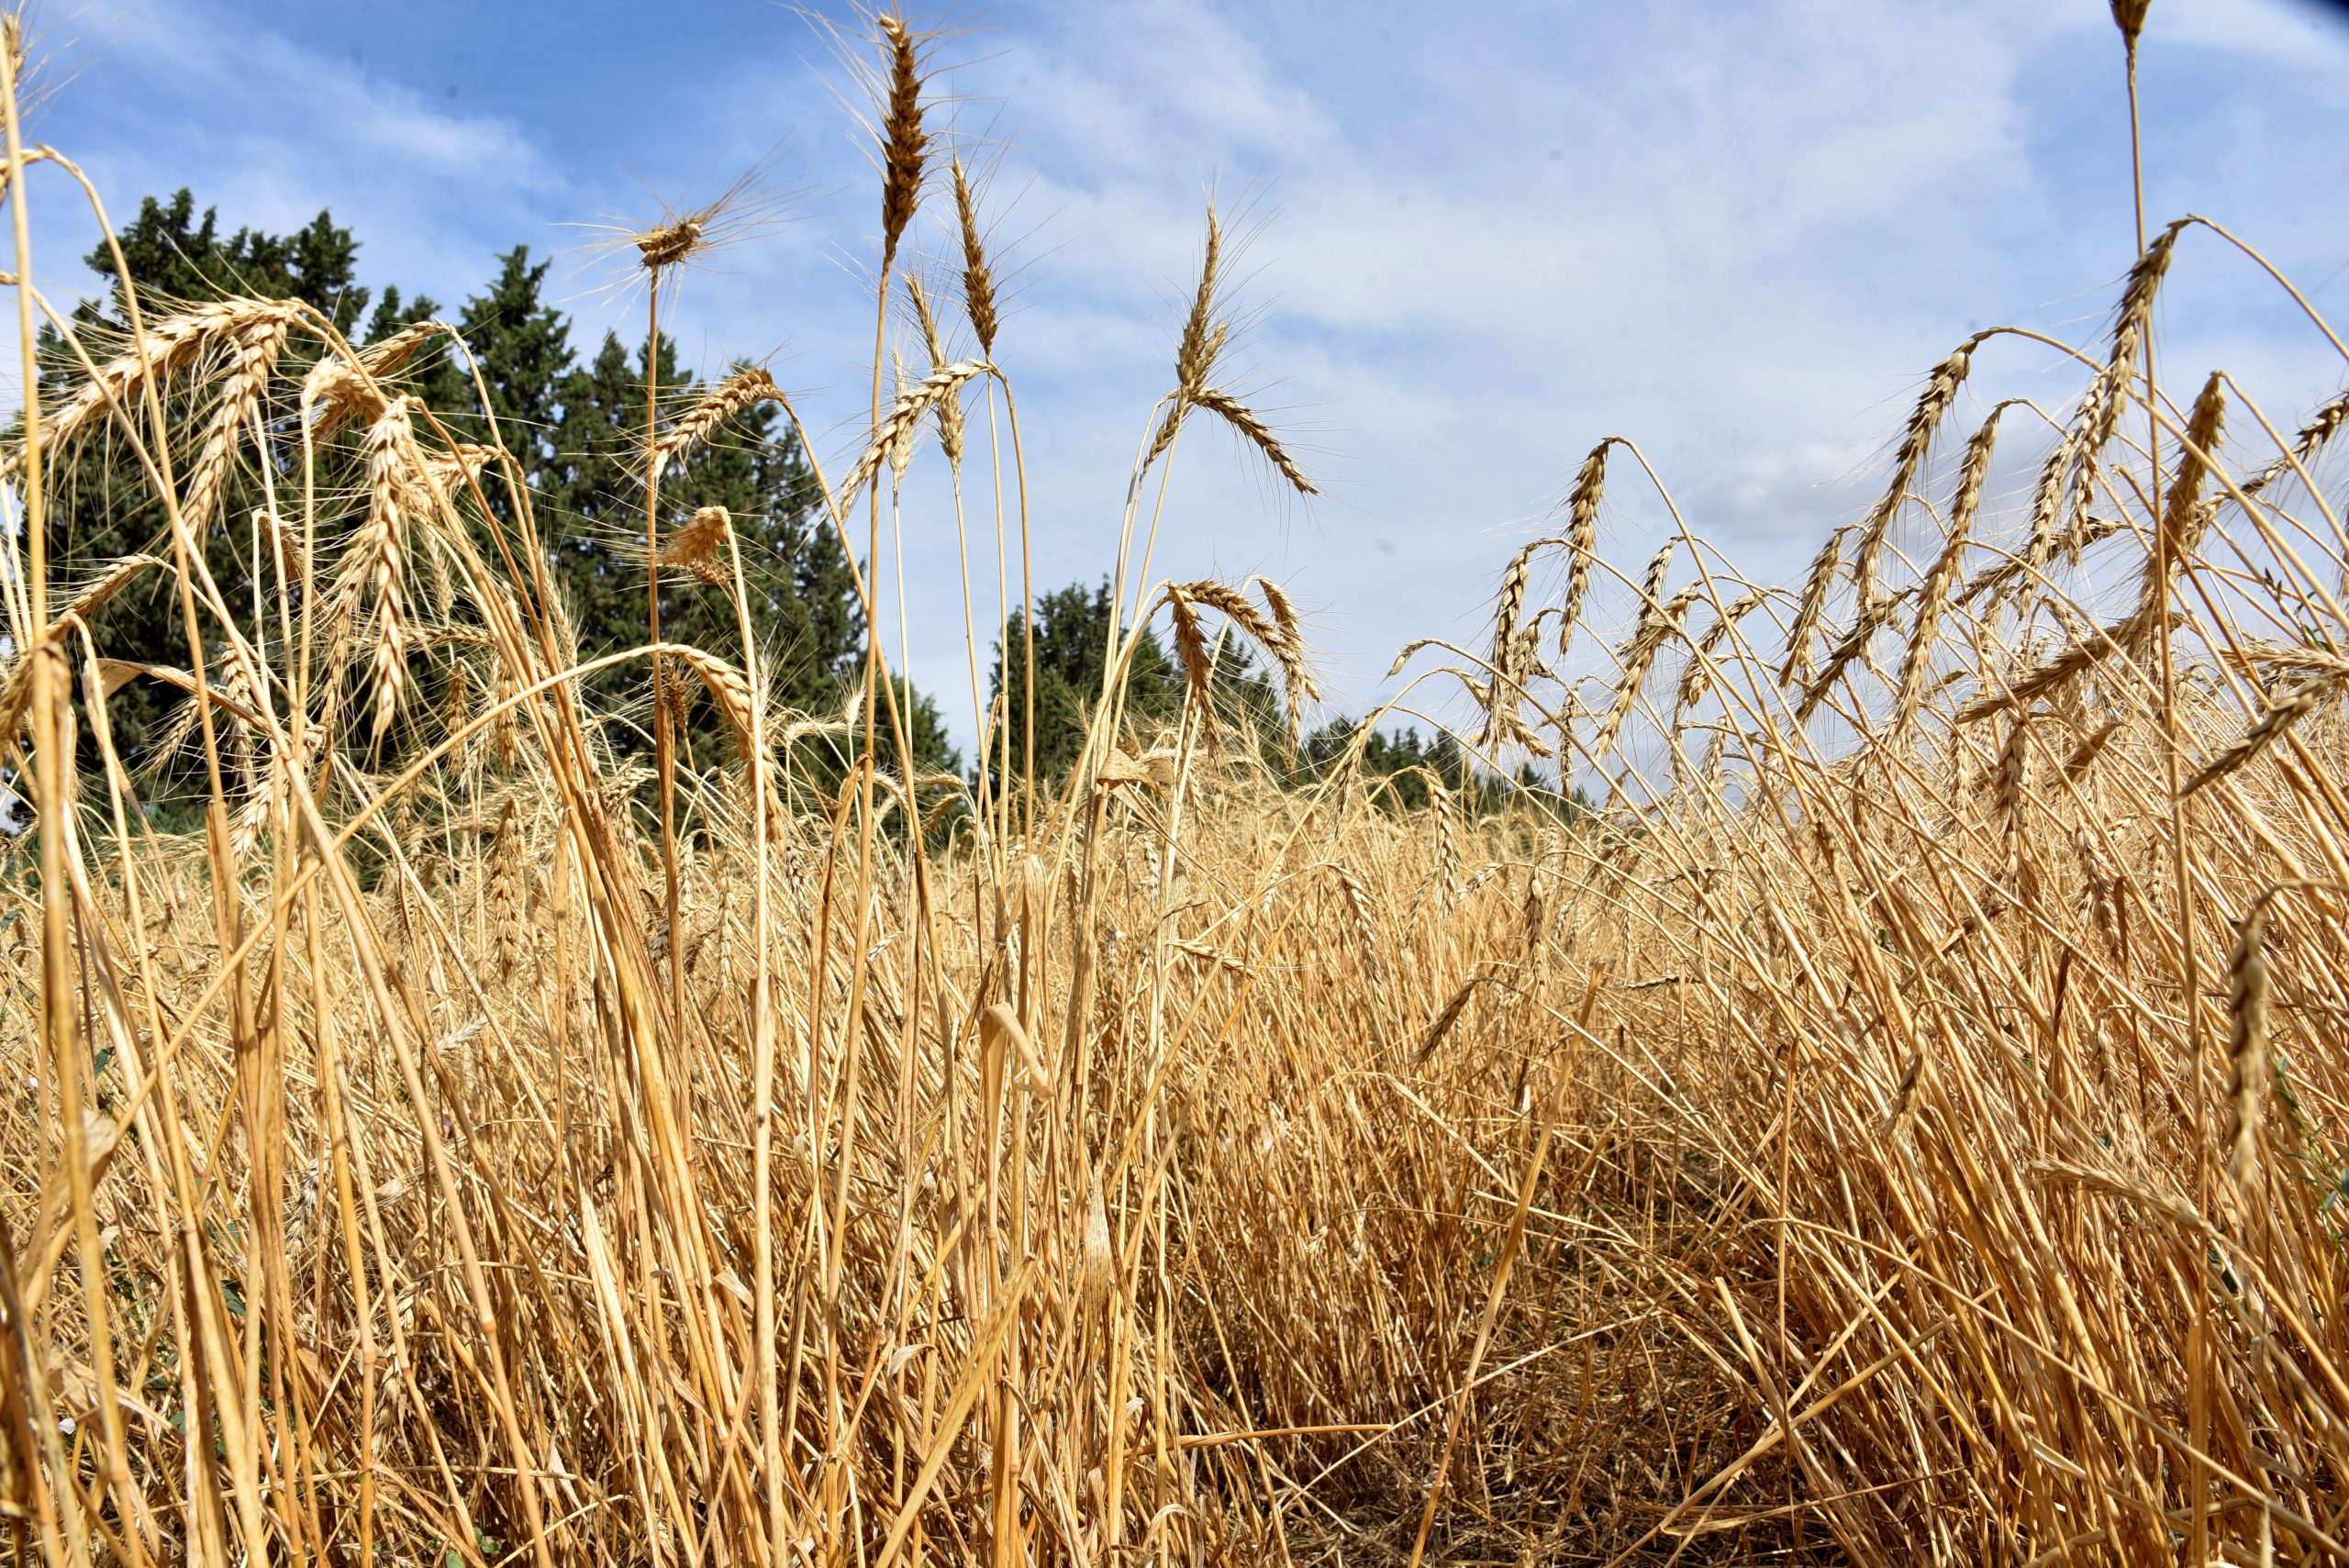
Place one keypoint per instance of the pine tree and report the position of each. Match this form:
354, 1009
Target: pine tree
105, 507
1071, 632
803, 604
576, 430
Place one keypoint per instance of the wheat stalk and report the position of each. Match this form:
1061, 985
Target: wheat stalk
1256, 433
172, 345
2272, 726
1818, 583
2184, 514
950, 410
2311, 440
336, 392
1657, 626
1932, 594
740, 390
252, 354
696, 546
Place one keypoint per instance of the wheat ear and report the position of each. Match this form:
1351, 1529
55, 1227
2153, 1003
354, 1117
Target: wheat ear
2248, 1068
905, 415
1924, 421
978, 278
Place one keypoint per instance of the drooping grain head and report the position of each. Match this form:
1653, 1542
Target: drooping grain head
1191, 652
1657, 626
1256, 433
1820, 582
897, 426
2185, 514
1933, 592
1582, 537
2320, 429
1924, 421
739, 390
2272, 726
699, 545
2108, 397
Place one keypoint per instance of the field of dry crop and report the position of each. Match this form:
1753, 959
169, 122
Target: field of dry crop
1904, 1118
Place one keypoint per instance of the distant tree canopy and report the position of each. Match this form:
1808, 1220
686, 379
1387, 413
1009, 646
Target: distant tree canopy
1072, 642
1071, 647
1071, 627
575, 425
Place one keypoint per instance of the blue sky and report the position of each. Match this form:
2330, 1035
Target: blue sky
1491, 234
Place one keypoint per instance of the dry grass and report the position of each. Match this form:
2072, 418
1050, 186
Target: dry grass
1867, 1145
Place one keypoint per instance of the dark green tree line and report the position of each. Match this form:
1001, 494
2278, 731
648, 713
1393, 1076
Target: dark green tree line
576, 425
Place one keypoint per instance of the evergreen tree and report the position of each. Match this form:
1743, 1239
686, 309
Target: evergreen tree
106, 506
577, 430
1072, 630
522, 347
802, 602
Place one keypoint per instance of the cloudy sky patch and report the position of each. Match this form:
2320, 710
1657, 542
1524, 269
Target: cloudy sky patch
1486, 236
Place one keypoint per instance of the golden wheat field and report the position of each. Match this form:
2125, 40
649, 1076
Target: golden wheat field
1896, 1114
